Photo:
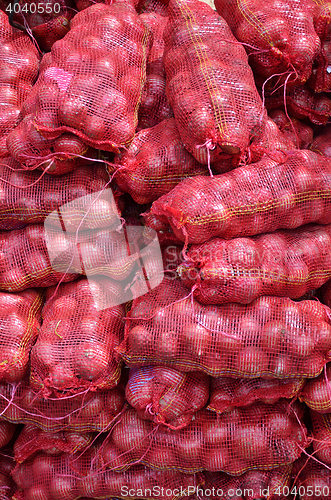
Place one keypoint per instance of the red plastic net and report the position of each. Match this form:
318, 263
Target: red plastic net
27, 198
271, 337
284, 263
154, 106
7, 465
321, 142
317, 392
155, 163
152, 6
210, 85
19, 63
249, 200
326, 294
47, 21
313, 481
19, 328
320, 80
92, 82
297, 131
71, 477
256, 437
166, 396
7, 431
321, 427
75, 347
227, 393
88, 412
280, 34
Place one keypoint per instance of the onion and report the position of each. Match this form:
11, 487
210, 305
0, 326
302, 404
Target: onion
63, 488
250, 442
196, 339
91, 360
37, 492
131, 433
216, 460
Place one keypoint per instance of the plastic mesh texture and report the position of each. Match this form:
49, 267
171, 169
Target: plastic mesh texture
280, 33
317, 392
91, 412
286, 263
302, 103
313, 478
321, 142
25, 198
248, 486
210, 85
152, 6
321, 426
92, 82
75, 348
298, 132
7, 431
233, 442
320, 79
48, 22
227, 393
19, 328
154, 106
7, 464
271, 337
19, 63
33, 440
249, 200
65, 476
155, 163
166, 396
326, 294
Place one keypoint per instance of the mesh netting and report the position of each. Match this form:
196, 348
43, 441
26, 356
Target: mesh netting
7, 464
33, 440
253, 485
284, 263
153, 6
19, 64
87, 412
320, 80
249, 200
273, 337
25, 198
92, 82
48, 21
166, 396
210, 85
280, 34
69, 477
154, 105
256, 437
7, 431
155, 163
314, 480
317, 392
321, 143
321, 427
19, 328
298, 132
75, 347
302, 103
227, 393
326, 294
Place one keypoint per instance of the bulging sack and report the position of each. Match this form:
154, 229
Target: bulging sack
316, 393
210, 85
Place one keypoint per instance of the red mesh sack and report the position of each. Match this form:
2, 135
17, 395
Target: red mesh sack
302, 103
19, 328
321, 427
227, 393
253, 485
33, 440
284, 263
7, 465
271, 337
155, 162
7, 431
210, 85
321, 143
320, 79
25, 198
46, 21
249, 200
233, 442
75, 348
153, 6
317, 392
91, 412
72, 477
154, 106
280, 34
326, 294
166, 396
19, 62
313, 481
92, 82
297, 131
